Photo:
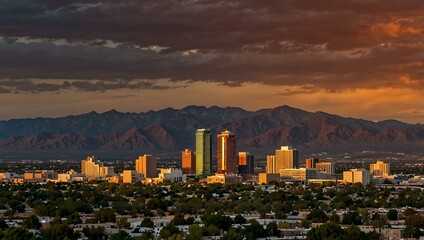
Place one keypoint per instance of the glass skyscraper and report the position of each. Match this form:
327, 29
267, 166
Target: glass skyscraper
203, 152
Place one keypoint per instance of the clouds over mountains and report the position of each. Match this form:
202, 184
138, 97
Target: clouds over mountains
50, 45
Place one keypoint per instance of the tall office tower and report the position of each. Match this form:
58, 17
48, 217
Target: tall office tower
203, 152
271, 164
226, 153
246, 163
286, 157
92, 168
357, 176
326, 167
311, 162
147, 166
380, 168
188, 162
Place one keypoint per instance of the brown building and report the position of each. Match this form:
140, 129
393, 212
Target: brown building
146, 165
226, 153
311, 162
188, 162
246, 163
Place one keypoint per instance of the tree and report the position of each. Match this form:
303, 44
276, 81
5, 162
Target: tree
213, 230
94, 233
392, 214
255, 230
74, 218
239, 219
272, 229
327, 231
409, 212
148, 235
59, 232
195, 232
222, 222
412, 232
415, 220
121, 235
3, 224
178, 219
32, 222
123, 223
105, 215
168, 231
17, 234
317, 216
147, 222
353, 233
351, 217
232, 235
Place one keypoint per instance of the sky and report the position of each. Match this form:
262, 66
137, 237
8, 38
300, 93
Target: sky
356, 58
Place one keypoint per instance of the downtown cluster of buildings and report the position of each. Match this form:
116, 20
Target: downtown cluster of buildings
231, 167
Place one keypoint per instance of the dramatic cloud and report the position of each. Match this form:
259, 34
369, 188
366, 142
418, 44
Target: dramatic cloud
302, 47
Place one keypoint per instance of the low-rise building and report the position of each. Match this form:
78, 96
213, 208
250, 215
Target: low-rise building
303, 174
131, 176
266, 178
357, 176
224, 178
70, 177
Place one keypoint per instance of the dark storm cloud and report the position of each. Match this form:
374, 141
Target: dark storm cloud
34, 86
328, 44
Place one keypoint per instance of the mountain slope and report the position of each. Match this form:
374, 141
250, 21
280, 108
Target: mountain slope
173, 129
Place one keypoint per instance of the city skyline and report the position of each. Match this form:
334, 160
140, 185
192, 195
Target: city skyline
357, 59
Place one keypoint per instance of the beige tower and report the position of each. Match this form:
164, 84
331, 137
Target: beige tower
380, 168
146, 165
94, 169
287, 157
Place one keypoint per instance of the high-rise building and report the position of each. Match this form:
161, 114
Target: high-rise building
227, 161
271, 165
326, 167
284, 158
188, 162
287, 157
380, 168
94, 169
246, 163
147, 166
357, 176
203, 152
311, 162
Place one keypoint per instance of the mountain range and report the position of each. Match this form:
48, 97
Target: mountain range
174, 129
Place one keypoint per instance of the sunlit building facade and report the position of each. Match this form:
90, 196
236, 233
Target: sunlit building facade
203, 152
246, 163
227, 161
188, 162
94, 169
147, 166
326, 167
357, 176
380, 168
311, 162
284, 158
